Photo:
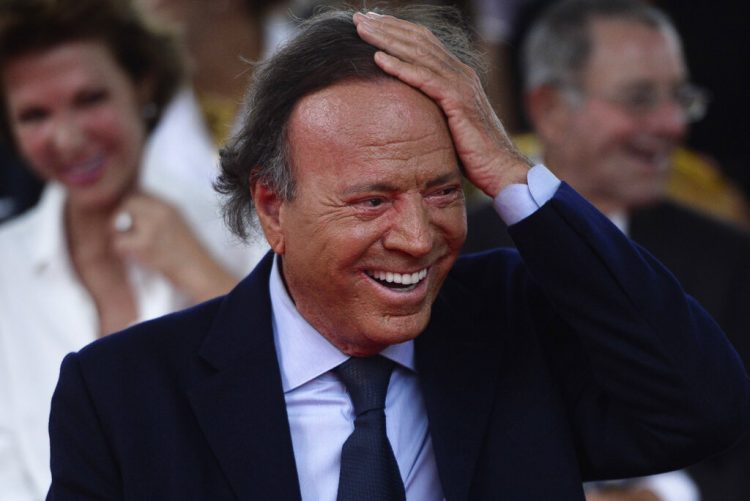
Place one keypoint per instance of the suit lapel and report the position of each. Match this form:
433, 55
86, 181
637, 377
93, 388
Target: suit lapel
458, 374
241, 407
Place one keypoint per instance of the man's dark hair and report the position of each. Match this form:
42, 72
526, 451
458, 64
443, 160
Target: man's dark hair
325, 51
558, 44
142, 51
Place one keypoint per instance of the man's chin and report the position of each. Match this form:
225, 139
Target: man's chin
395, 330
402, 329
645, 194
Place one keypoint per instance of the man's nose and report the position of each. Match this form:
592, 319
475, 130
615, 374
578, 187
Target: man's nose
669, 120
411, 231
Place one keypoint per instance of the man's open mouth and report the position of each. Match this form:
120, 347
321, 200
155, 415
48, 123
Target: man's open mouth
398, 281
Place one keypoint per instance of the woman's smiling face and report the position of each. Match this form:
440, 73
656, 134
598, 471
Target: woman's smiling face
76, 119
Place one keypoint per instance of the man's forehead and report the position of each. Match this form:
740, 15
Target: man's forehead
631, 50
370, 131
384, 106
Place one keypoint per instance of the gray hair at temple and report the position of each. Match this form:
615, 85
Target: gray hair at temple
325, 51
557, 47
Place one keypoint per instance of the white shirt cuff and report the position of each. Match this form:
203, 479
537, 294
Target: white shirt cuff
518, 201
671, 486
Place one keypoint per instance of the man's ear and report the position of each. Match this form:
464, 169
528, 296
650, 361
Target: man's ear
268, 208
548, 110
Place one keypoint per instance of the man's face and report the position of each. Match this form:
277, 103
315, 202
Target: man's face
378, 217
614, 154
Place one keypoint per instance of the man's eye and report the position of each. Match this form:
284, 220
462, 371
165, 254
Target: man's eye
447, 192
641, 101
370, 203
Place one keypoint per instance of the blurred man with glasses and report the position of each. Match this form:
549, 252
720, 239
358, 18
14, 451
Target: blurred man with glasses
609, 98
608, 93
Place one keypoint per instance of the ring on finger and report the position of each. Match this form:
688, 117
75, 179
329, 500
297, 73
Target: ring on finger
124, 222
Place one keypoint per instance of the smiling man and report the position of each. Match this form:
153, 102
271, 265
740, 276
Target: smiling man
378, 216
361, 359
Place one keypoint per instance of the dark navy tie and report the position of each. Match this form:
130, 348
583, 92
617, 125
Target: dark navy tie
369, 471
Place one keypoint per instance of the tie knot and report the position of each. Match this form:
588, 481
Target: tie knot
366, 380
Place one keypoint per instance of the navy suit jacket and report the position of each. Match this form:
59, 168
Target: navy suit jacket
712, 262
579, 358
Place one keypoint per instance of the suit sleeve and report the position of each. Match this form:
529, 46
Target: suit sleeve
82, 464
656, 385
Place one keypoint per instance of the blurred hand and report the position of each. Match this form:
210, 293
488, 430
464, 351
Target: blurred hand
160, 239
414, 55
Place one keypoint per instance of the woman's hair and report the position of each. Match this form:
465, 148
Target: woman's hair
142, 51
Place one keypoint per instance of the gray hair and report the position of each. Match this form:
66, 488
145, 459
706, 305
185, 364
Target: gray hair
558, 44
325, 51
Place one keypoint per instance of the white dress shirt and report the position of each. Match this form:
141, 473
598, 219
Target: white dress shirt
45, 313
320, 413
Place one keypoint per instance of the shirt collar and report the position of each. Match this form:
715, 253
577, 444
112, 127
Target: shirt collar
49, 242
621, 220
303, 353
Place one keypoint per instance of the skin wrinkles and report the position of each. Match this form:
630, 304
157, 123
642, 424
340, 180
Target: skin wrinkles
382, 187
375, 193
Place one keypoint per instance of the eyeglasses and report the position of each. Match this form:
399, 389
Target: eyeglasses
641, 101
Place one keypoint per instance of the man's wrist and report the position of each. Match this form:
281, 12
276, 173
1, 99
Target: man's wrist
517, 201
511, 171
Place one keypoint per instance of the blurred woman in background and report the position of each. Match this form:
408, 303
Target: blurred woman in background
82, 82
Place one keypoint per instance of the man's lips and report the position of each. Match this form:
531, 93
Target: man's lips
656, 155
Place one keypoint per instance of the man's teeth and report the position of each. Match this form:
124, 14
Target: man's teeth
399, 278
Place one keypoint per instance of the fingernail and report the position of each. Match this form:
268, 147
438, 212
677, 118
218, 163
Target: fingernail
373, 15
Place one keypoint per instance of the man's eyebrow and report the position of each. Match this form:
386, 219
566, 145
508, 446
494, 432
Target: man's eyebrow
445, 178
387, 187
368, 187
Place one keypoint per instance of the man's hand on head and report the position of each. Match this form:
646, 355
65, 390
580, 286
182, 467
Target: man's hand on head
414, 55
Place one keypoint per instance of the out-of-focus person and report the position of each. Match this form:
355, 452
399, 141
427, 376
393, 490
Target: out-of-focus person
608, 94
699, 174
19, 187
496, 24
82, 84
217, 40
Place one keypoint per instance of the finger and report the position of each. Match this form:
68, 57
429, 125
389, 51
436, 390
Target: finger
408, 42
416, 76
127, 245
415, 56
399, 28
